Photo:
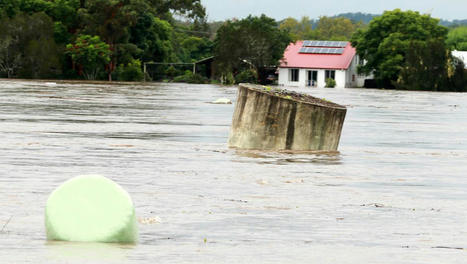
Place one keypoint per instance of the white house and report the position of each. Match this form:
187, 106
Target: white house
310, 63
461, 55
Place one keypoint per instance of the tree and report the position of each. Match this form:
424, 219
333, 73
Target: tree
299, 30
8, 8
89, 55
143, 30
458, 78
337, 28
152, 36
189, 8
110, 20
457, 38
10, 59
27, 47
130, 72
253, 41
425, 67
358, 17
385, 42
137, 28
291, 25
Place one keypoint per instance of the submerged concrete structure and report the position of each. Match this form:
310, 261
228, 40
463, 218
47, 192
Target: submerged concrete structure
273, 119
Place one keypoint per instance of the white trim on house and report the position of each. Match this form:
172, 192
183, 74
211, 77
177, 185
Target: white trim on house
343, 77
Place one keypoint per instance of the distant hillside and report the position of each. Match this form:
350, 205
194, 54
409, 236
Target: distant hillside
454, 23
358, 17
366, 18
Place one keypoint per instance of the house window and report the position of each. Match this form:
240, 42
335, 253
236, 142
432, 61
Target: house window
353, 77
330, 75
293, 75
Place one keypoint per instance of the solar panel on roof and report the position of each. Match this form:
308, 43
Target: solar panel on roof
321, 43
321, 50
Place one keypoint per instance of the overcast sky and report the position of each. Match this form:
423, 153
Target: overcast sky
279, 9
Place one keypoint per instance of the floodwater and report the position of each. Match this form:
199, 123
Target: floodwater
396, 192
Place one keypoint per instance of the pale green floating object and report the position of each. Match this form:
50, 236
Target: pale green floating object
90, 209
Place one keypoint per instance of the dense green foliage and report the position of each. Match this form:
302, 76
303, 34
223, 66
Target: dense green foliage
338, 28
407, 50
366, 18
246, 76
27, 49
425, 67
254, 42
358, 17
457, 38
189, 77
133, 30
299, 30
330, 83
111, 39
89, 54
386, 41
326, 28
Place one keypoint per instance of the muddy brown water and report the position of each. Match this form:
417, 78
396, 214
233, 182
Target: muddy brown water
396, 192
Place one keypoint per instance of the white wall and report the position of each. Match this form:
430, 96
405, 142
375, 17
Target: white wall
284, 78
340, 77
344, 78
353, 71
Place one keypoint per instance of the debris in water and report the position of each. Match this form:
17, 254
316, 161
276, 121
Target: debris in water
222, 101
7, 222
444, 247
149, 220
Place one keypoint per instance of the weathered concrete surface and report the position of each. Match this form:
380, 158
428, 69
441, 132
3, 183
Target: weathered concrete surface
266, 119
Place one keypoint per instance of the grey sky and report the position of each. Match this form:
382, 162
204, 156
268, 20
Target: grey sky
279, 9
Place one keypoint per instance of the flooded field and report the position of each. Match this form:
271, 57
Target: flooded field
396, 192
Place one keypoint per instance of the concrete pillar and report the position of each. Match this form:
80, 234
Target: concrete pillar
270, 119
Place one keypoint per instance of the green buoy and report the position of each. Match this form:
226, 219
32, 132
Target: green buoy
90, 209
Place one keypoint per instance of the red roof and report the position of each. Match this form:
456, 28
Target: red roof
294, 59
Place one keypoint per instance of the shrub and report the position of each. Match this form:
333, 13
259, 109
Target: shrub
189, 77
130, 72
171, 72
227, 79
184, 77
330, 83
247, 76
197, 78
